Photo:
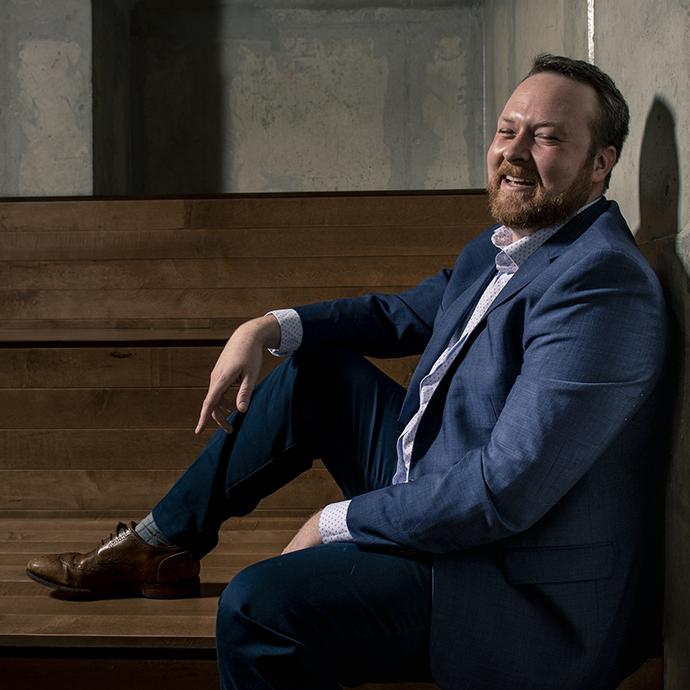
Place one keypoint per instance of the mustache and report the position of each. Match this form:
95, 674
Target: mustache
523, 172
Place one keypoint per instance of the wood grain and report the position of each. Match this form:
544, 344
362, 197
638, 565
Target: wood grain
133, 367
116, 332
241, 303
137, 270
375, 209
89, 408
214, 273
114, 367
361, 210
99, 449
342, 241
78, 214
135, 491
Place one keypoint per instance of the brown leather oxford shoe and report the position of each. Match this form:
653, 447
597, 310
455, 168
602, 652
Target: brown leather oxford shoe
122, 564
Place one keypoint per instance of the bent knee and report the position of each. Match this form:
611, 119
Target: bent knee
253, 594
240, 593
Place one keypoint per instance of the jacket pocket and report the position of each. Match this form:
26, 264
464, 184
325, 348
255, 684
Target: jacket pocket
533, 565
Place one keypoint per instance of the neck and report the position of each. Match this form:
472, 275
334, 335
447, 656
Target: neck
519, 233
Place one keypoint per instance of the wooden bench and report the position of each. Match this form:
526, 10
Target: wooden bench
111, 317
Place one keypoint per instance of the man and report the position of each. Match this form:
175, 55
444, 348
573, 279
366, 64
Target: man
495, 529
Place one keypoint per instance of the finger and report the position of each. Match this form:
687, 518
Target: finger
204, 416
224, 406
208, 409
212, 400
220, 417
244, 394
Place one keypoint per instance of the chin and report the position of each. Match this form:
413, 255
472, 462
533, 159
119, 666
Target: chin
539, 209
515, 211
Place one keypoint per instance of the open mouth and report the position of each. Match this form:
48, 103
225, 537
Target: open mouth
518, 182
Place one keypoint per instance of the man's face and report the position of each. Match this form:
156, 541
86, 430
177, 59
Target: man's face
540, 164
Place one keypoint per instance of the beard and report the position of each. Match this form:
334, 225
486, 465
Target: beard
536, 208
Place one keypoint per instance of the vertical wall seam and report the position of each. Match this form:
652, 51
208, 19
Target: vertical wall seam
485, 84
590, 31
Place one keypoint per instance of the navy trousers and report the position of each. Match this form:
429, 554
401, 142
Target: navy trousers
323, 617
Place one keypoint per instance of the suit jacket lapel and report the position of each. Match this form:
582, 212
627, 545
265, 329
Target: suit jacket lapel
548, 252
455, 314
458, 311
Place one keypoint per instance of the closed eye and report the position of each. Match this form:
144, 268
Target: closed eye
548, 137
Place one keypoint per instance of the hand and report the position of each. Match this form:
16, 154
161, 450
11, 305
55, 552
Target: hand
308, 535
240, 362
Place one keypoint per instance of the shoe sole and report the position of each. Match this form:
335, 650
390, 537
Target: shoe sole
148, 590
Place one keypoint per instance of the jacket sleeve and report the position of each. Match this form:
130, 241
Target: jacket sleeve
379, 325
593, 349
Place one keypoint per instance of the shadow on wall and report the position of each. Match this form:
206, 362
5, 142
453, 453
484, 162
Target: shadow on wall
158, 111
657, 235
658, 192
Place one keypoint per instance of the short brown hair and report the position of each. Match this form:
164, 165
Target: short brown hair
612, 125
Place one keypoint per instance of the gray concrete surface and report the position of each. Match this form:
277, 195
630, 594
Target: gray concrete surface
45, 97
516, 31
644, 45
530, 27
259, 95
278, 96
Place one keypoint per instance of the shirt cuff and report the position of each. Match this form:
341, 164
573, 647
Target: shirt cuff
290, 331
333, 523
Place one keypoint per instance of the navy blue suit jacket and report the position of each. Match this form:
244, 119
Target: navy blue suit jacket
531, 468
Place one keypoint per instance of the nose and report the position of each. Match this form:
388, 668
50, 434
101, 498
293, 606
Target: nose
516, 150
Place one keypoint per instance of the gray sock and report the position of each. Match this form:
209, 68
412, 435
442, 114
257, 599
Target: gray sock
148, 530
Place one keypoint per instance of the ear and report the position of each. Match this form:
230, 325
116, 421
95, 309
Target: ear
604, 160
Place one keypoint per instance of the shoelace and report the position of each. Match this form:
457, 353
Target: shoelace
120, 531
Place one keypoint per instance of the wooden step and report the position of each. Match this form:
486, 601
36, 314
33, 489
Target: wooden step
132, 367
218, 273
115, 673
112, 313
375, 209
71, 448
132, 270
59, 493
96, 636
31, 617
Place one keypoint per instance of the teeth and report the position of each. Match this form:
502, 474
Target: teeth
518, 180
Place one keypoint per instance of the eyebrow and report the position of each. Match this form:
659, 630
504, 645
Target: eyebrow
546, 123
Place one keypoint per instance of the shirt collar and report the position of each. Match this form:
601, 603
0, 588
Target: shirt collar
514, 252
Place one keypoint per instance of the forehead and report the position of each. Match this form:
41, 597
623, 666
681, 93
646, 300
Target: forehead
553, 98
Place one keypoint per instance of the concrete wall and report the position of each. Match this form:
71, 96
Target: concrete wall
256, 95
111, 89
516, 31
45, 97
242, 95
644, 46
283, 96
